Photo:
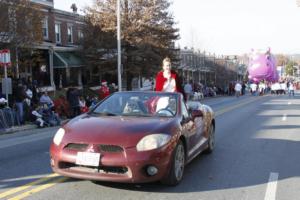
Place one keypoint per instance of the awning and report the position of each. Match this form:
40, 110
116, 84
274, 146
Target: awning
66, 59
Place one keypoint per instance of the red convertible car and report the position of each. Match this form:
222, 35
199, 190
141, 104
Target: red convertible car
134, 137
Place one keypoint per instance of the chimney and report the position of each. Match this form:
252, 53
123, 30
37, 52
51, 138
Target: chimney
74, 8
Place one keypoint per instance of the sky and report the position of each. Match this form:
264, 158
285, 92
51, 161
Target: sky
231, 27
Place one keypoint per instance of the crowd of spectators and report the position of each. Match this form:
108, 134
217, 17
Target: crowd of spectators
30, 104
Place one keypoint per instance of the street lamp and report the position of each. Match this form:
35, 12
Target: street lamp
119, 45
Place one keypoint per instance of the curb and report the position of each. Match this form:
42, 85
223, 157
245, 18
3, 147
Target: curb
15, 129
18, 128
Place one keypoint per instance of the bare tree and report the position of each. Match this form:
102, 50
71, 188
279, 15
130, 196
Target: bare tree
20, 26
148, 33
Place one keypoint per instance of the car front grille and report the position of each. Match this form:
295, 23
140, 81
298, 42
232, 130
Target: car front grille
110, 148
77, 147
103, 147
90, 169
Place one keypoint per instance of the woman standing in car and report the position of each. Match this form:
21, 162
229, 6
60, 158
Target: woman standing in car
168, 80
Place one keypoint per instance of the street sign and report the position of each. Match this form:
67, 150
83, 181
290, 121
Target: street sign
5, 57
6, 82
6, 86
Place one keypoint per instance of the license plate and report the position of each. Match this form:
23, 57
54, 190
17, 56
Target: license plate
88, 159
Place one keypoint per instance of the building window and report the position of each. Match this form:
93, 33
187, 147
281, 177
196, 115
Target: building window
80, 34
45, 28
57, 33
70, 34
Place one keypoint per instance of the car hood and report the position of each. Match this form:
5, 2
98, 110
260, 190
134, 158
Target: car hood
114, 130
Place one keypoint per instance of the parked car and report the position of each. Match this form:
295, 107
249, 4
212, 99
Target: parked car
134, 137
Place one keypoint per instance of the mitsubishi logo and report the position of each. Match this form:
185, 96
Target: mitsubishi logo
91, 149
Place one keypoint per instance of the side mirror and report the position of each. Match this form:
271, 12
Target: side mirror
197, 113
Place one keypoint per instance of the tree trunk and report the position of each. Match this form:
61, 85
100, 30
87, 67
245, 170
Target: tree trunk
129, 78
126, 46
17, 64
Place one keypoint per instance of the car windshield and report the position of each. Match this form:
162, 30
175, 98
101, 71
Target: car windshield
145, 104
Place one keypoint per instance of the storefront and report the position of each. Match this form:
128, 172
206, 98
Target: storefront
67, 69
52, 67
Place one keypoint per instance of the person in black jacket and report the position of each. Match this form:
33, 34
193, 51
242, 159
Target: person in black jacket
20, 95
73, 99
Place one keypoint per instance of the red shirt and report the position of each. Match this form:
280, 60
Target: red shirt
160, 81
103, 92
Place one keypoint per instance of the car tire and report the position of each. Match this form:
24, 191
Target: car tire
177, 166
211, 140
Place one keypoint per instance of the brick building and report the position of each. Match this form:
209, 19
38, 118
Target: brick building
56, 62
197, 66
62, 32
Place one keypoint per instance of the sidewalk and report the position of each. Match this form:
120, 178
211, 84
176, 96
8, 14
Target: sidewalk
18, 128
15, 129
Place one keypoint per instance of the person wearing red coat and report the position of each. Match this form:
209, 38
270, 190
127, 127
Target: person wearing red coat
104, 90
168, 80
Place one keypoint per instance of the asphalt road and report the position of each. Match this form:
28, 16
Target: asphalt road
256, 158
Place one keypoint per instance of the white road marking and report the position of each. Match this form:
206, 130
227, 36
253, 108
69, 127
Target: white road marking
272, 187
284, 117
289, 103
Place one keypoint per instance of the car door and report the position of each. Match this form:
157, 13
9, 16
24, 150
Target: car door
197, 138
188, 126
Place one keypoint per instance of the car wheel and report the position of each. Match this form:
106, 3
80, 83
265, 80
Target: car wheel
211, 140
177, 166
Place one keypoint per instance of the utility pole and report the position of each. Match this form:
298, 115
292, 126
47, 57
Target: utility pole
119, 46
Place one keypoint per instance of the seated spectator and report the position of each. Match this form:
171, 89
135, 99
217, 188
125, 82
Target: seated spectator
45, 99
50, 116
45, 116
38, 115
62, 107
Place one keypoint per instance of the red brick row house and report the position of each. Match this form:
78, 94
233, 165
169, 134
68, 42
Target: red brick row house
59, 63
62, 32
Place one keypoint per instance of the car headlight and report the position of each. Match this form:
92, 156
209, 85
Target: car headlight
59, 136
153, 141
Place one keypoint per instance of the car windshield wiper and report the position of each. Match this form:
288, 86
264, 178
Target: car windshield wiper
136, 115
105, 113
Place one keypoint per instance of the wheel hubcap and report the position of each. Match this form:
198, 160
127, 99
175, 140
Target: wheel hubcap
179, 162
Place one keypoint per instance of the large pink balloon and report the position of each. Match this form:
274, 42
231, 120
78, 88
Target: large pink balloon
262, 66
